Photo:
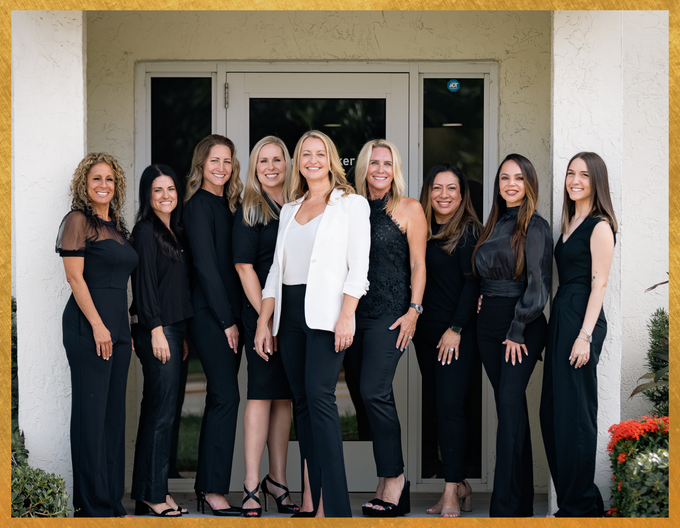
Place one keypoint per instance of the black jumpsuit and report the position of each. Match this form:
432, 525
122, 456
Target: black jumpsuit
98, 385
569, 397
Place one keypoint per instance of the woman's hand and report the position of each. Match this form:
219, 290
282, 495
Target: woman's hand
580, 353
263, 340
448, 346
102, 338
407, 327
479, 303
344, 333
232, 337
159, 344
185, 349
514, 350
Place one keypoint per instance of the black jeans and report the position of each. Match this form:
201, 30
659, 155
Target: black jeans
451, 383
513, 485
157, 413
218, 428
374, 354
312, 367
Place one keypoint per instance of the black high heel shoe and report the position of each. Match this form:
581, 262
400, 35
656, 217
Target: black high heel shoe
142, 508
251, 512
201, 501
280, 506
395, 510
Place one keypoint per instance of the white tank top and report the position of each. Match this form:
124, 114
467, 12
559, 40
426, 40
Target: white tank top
297, 251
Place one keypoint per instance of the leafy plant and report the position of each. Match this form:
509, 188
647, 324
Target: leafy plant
656, 388
35, 492
639, 458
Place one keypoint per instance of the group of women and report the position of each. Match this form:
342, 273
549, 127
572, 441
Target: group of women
304, 270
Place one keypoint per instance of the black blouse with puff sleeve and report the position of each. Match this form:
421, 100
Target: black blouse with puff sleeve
452, 289
255, 244
160, 285
496, 263
208, 223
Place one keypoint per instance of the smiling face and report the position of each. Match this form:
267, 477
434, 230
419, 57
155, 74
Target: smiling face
314, 165
445, 196
163, 198
100, 187
379, 174
578, 181
511, 183
217, 169
271, 168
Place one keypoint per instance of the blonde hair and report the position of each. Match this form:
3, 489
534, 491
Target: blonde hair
256, 208
398, 184
80, 200
232, 189
336, 174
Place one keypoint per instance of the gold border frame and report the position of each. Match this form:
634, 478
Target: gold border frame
241, 5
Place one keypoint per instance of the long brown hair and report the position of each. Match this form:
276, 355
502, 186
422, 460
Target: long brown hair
256, 209
398, 184
336, 173
526, 209
80, 200
232, 189
456, 226
600, 197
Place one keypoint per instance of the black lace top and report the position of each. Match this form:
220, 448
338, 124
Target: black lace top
389, 270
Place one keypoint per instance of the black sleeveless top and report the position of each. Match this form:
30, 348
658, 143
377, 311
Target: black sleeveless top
389, 270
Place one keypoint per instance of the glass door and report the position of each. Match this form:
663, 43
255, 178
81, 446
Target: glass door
351, 108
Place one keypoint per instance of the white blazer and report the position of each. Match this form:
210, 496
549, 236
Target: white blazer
339, 262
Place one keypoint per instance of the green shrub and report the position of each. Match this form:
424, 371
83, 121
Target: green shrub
656, 389
639, 457
35, 493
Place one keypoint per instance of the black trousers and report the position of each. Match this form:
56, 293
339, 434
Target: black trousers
98, 409
569, 406
451, 383
374, 354
313, 367
513, 485
157, 413
218, 428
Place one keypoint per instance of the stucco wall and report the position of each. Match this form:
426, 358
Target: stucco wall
610, 95
519, 41
48, 127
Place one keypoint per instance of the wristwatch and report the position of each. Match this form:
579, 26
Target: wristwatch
418, 307
456, 329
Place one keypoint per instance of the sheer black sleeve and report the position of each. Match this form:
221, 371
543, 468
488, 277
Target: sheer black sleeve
73, 236
467, 302
538, 266
145, 276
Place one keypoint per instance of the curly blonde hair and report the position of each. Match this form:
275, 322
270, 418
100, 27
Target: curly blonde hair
233, 187
80, 200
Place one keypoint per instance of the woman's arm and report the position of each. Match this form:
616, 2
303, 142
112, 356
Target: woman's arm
251, 284
344, 328
416, 233
263, 335
74, 267
602, 252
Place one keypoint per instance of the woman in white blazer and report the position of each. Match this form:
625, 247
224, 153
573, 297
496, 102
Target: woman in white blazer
318, 275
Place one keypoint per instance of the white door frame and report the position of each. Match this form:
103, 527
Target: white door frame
217, 70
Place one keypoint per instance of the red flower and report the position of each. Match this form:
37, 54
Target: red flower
634, 429
622, 458
619, 486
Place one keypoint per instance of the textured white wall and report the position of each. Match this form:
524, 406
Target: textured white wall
48, 111
519, 41
610, 96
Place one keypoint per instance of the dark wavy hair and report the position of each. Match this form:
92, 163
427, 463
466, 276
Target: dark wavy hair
167, 243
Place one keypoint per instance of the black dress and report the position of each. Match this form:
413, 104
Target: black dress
513, 309
450, 299
98, 386
374, 353
255, 245
161, 297
216, 297
569, 397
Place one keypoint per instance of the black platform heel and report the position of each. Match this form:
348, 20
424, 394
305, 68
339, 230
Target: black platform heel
251, 512
201, 501
395, 510
280, 506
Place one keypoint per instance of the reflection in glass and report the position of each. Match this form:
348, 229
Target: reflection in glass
453, 132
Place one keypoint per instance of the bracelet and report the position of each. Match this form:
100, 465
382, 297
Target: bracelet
590, 336
589, 340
